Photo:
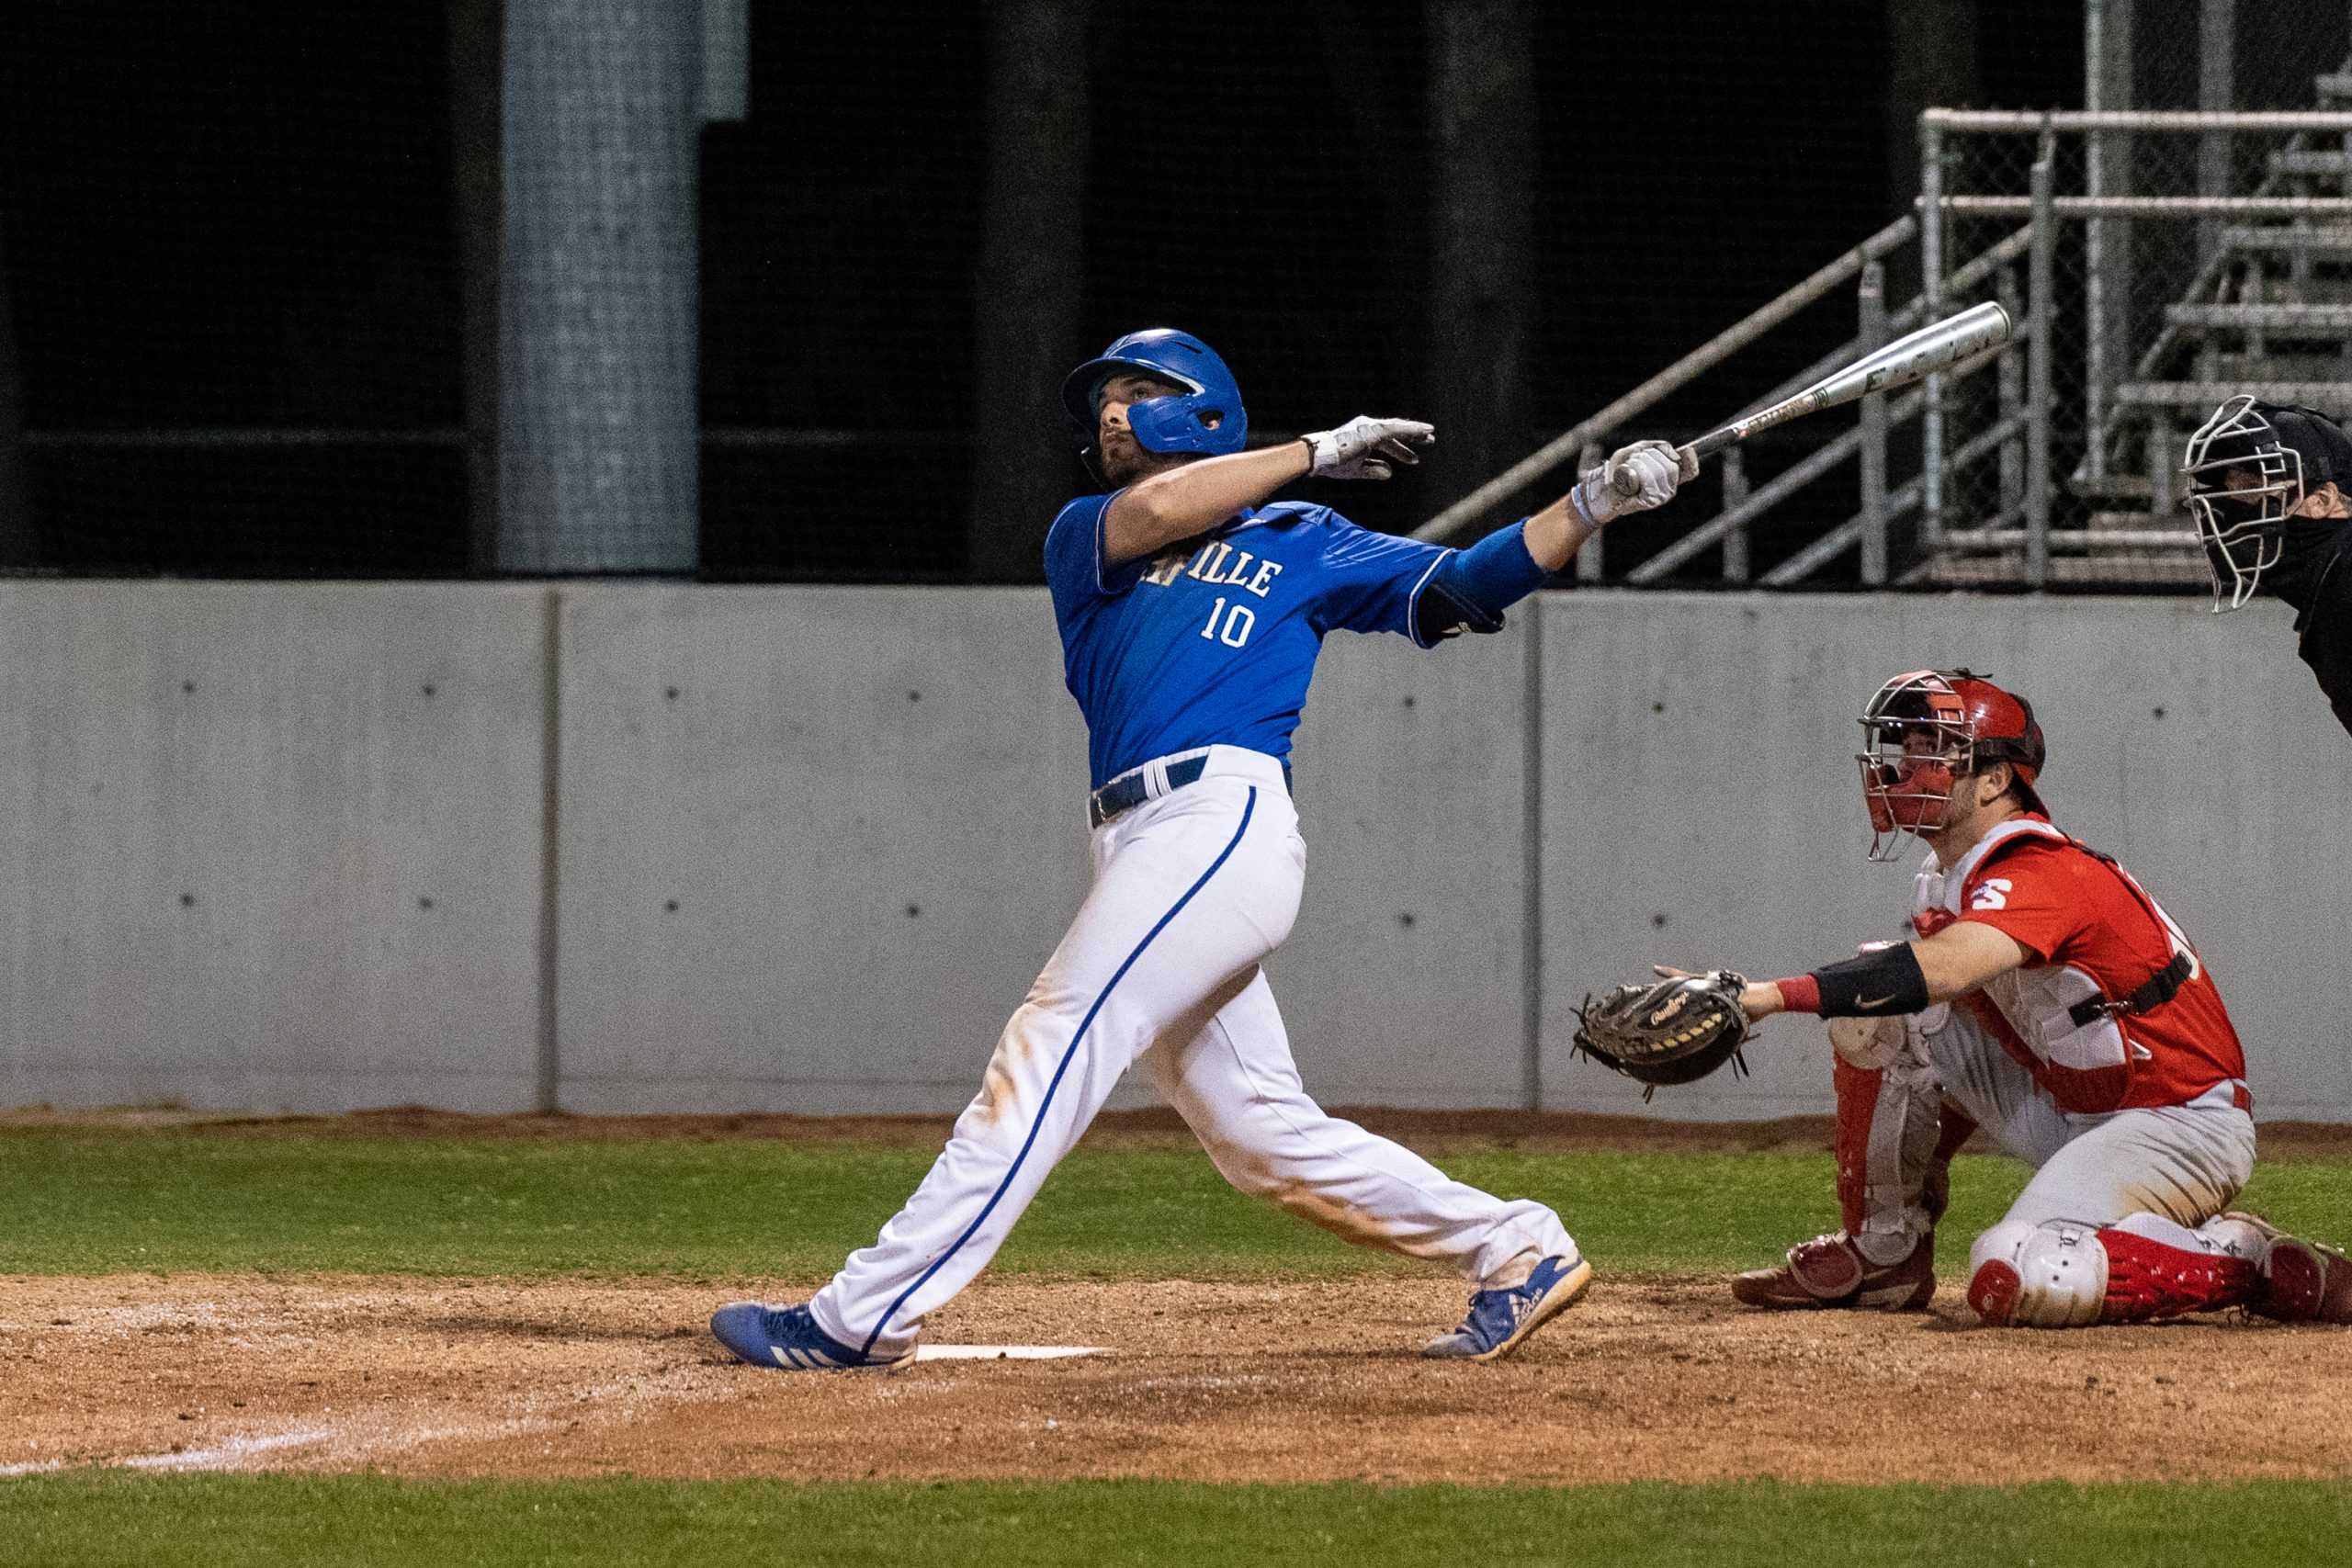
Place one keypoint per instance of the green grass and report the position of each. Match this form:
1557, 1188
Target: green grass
95, 1202
91, 1202
92, 1521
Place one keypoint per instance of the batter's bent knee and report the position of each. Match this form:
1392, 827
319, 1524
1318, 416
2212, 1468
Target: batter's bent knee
1246, 1171
1246, 1156
2046, 1276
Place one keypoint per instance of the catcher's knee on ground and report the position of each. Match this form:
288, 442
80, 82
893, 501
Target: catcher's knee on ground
2048, 1276
2059, 1274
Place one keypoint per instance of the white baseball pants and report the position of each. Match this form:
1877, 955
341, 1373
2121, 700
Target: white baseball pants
1191, 889
2183, 1163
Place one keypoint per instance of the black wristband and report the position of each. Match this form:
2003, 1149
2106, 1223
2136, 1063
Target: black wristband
1878, 984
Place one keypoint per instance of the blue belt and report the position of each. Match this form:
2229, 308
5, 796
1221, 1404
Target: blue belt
1130, 790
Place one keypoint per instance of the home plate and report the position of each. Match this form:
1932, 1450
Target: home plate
1006, 1352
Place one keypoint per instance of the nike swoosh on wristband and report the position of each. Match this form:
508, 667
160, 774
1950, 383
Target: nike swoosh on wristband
1873, 1001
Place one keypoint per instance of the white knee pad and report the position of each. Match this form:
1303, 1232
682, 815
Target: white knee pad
1924, 1026
2046, 1276
1874, 1043
1869, 1044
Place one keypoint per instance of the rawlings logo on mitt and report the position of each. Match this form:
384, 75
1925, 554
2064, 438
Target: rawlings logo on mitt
1668, 1031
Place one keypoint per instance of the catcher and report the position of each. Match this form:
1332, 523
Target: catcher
2045, 997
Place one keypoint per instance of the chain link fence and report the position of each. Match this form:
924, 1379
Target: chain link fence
2184, 237
259, 324
2195, 249
1984, 423
229, 324
2183, 256
466, 288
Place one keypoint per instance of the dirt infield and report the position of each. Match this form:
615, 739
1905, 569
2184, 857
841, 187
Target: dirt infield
1651, 1378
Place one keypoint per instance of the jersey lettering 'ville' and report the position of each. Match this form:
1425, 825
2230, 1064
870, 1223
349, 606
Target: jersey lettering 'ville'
1213, 641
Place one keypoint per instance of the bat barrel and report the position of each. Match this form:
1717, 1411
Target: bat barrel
1941, 345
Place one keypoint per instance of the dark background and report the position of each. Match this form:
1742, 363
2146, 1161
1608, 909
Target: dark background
241, 216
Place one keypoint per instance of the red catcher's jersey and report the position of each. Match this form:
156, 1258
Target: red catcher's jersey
2092, 934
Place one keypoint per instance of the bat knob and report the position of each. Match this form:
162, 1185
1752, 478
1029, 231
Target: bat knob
1624, 481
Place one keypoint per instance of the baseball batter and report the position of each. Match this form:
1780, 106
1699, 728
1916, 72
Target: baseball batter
1192, 613
2047, 998
2265, 487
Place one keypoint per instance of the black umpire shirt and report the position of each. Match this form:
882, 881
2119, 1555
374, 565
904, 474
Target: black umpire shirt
2324, 621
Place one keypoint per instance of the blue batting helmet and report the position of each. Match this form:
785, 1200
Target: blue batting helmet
1208, 417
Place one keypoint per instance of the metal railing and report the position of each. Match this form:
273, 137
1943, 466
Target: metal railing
1743, 503
2145, 275
2014, 467
1568, 448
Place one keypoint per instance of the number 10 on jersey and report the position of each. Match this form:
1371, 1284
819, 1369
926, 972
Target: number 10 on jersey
1231, 627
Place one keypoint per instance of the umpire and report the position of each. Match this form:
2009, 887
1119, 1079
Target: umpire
2264, 487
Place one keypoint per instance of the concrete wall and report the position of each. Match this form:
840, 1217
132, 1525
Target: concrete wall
815, 843
1405, 981
271, 846
1701, 806
812, 843
867, 808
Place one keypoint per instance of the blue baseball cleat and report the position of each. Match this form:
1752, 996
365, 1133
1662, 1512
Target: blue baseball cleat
786, 1336
1498, 1320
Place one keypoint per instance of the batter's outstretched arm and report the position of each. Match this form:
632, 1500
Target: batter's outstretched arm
1472, 588
1150, 514
1555, 533
1650, 471
1153, 513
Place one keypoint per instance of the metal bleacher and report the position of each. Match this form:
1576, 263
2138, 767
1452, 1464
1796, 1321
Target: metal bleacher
2269, 312
2156, 262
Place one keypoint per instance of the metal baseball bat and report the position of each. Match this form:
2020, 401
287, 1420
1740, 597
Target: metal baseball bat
1941, 345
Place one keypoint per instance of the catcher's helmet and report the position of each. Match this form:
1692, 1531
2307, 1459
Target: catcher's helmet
1206, 417
1927, 730
2249, 468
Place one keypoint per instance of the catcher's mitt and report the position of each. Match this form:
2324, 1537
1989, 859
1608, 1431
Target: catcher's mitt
1668, 1031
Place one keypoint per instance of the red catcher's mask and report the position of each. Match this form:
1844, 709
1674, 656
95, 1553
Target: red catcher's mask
1927, 730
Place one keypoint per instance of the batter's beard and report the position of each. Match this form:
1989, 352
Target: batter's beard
1124, 464
1131, 461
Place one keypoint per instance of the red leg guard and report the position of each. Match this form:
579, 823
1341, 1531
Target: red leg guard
1954, 1128
1857, 1100
1993, 1292
2146, 1279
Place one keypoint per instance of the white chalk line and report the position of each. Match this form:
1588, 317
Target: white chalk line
538, 1412
219, 1456
229, 1454
541, 1412
1006, 1352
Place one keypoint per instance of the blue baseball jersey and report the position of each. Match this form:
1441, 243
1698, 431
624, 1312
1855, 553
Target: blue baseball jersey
1213, 642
